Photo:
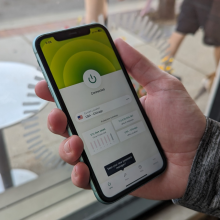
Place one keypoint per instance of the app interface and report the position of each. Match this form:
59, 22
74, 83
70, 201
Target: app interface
103, 109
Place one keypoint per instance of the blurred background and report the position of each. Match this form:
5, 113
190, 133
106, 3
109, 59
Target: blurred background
180, 37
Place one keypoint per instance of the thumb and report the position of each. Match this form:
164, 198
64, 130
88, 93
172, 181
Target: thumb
137, 65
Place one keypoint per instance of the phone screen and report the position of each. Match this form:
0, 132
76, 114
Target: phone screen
104, 111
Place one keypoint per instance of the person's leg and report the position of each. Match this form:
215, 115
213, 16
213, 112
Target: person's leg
94, 8
175, 41
147, 8
217, 55
187, 24
208, 81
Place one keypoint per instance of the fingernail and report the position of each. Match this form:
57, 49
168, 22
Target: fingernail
51, 112
51, 129
49, 120
67, 147
75, 171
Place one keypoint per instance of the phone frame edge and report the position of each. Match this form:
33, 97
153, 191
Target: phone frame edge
102, 198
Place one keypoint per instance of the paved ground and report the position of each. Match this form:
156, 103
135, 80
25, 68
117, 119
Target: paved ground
193, 62
14, 9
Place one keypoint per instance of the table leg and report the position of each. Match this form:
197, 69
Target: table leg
5, 170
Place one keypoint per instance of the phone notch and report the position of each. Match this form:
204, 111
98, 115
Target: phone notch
72, 33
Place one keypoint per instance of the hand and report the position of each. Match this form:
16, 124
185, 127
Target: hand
176, 119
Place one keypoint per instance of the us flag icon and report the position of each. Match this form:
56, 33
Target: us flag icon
80, 117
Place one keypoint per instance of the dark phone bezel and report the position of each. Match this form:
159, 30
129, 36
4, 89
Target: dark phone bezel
65, 35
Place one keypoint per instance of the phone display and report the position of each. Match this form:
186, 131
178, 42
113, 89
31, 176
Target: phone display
103, 109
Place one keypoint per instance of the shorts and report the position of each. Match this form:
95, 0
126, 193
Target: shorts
201, 13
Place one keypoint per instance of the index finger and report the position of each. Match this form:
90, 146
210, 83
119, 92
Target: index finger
42, 91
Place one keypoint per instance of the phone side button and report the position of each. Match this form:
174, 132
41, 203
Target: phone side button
38, 63
40, 66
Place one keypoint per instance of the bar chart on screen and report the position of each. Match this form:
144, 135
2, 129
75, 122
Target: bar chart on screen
100, 138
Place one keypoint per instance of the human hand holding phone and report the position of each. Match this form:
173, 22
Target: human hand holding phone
176, 119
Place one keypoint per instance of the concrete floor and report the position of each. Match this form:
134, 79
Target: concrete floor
193, 62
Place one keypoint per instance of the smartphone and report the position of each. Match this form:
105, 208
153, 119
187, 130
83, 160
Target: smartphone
89, 82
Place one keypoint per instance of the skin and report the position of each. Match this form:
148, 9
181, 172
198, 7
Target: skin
176, 119
94, 8
175, 41
217, 55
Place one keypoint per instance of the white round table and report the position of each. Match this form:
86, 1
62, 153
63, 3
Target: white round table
19, 177
17, 102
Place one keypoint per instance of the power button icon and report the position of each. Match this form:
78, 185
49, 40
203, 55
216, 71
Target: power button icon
92, 79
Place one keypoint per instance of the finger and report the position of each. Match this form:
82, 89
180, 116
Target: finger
71, 149
80, 176
42, 91
138, 66
142, 100
57, 122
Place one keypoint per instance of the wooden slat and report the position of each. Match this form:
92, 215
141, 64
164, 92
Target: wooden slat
39, 201
43, 182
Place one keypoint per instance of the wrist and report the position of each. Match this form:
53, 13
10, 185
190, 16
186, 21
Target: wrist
202, 186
